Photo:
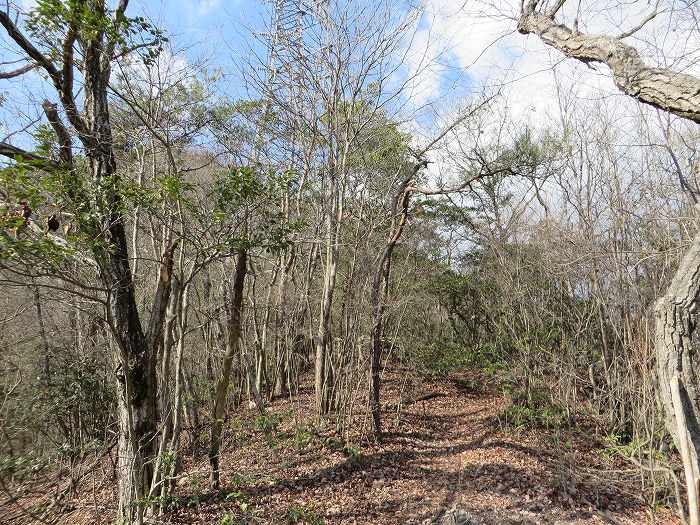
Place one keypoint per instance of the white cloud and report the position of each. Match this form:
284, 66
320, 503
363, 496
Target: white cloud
167, 70
207, 6
488, 53
475, 47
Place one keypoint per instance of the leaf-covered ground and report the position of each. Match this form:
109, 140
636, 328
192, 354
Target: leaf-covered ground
445, 459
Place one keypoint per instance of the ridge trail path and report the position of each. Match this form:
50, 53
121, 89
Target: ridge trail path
444, 459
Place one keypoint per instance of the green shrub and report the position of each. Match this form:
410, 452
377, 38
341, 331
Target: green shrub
18, 468
228, 519
303, 516
242, 479
622, 446
268, 423
533, 410
302, 437
441, 358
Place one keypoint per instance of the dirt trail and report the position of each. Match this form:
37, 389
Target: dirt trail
443, 454
444, 459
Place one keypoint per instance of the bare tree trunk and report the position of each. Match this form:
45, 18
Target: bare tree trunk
282, 351
178, 412
234, 310
324, 326
677, 346
46, 358
260, 359
380, 288
165, 395
688, 452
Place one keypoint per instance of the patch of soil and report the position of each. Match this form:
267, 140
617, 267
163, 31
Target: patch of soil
444, 459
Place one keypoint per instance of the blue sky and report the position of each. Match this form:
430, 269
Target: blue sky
457, 47
215, 30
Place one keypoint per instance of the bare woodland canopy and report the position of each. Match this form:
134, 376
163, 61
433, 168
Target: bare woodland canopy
171, 255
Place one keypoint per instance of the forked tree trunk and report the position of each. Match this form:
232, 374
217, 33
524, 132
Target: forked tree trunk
102, 219
380, 290
137, 348
137, 390
234, 327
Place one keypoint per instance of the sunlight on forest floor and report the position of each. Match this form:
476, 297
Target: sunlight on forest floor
448, 459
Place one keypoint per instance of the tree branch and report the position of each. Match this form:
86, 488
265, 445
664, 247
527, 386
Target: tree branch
160, 303
556, 8
63, 82
675, 92
639, 26
20, 155
29, 48
472, 111
64, 140
460, 188
112, 43
4, 75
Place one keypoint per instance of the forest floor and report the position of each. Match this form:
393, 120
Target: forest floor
441, 456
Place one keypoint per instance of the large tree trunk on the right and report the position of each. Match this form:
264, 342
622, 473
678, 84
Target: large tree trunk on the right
677, 344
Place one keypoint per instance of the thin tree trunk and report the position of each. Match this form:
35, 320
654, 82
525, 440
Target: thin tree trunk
688, 453
380, 288
234, 326
46, 358
324, 325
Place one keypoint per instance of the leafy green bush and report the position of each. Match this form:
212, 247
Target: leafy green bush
619, 445
241, 500
228, 519
302, 437
17, 468
441, 358
241, 479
